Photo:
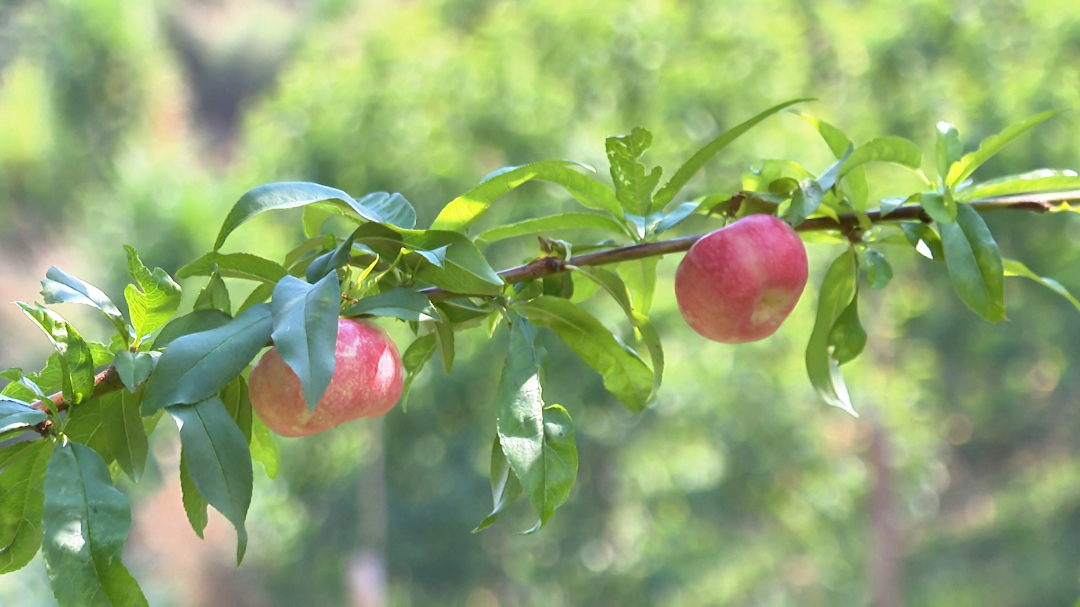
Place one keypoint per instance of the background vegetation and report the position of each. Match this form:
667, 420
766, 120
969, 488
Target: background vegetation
142, 121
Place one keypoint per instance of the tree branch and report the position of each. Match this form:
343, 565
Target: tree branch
109, 381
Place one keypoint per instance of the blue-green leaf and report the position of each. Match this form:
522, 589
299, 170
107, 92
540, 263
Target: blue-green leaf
218, 459
86, 522
133, 367
625, 374
464, 270
76, 360
690, 168
305, 331
22, 480
974, 262
878, 270
405, 304
16, 414
196, 366
61, 287
963, 168
156, 298
837, 293
461, 212
195, 322
214, 296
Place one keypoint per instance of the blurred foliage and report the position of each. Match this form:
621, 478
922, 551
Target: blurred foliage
739, 487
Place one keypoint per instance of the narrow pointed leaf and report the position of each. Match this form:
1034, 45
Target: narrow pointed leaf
884, 149
234, 265
86, 522
214, 296
123, 428
990, 146
61, 287
444, 337
387, 207
625, 374
218, 459
16, 414
156, 298
948, 148
940, 206
22, 480
264, 448
542, 225
76, 360
505, 486
847, 337
415, 357
1015, 268
405, 304
198, 365
837, 293
1042, 180
461, 212
464, 269
194, 322
305, 331
690, 168
194, 503
974, 262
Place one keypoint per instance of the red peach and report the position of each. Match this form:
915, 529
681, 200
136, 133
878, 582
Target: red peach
739, 283
367, 382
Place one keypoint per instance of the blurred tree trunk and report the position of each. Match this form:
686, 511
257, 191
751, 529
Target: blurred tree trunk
366, 576
885, 550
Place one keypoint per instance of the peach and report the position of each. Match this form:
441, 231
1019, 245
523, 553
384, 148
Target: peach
367, 382
739, 283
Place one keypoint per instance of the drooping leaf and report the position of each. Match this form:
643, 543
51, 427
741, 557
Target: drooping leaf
123, 428
61, 287
21, 387
837, 293
133, 367
16, 414
634, 183
948, 148
76, 360
405, 304
848, 337
974, 262
198, 365
444, 339
807, 198
218, 459
234, 265
690, 168
1015, 268
925, 240
86, 425
1041, 180
238, 404
195, 504
194, 322
264, 448
676, 216
156, 298
640, 277
257, 296
990, 146
540, 225
461, 212
505, 486
214, 296
305, 331
939, 205
22, 479
625, 374
86, 522
878, 270
331, 260
415, 357
884, 149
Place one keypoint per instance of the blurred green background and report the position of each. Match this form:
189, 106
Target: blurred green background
142, 121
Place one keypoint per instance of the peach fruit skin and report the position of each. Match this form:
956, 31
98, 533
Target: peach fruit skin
739, 283
367, 382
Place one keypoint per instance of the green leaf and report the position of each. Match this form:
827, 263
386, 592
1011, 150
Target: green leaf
15, 414
837, 141
194, 503
133, 367
990, 146
539, 225
847, 337
461, 212
22, 388
86, 522
444, 337
538, 442
925, 240
61, 287
257, 296
676, 216
218, 459
124, 431
156, 298
940, 206
380, 207
625, 374
85, 425
76, 360
837, 293
330, 261
264, 448
234, 265
878, 270
974, 262
195, 322
238, 404
640, 278
690, 168
1015, 268
405, 304
305, 331
809, 196
464, 270
505, 486
415, 357
22, 479
214, 296
1042, 180
634, 183
198, 365
884, 149
948, 148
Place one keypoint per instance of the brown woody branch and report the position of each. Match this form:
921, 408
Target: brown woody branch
109, 381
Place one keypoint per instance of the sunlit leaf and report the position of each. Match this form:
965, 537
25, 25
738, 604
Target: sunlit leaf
634, 183
974, 263
76, 360
948, 147
1015, 268
540, 225
234, 265
61, 287
837, 293
884, 149
264, 448
155, 298
1035, 181
22, 479
214, 296
940, 206
990, 146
